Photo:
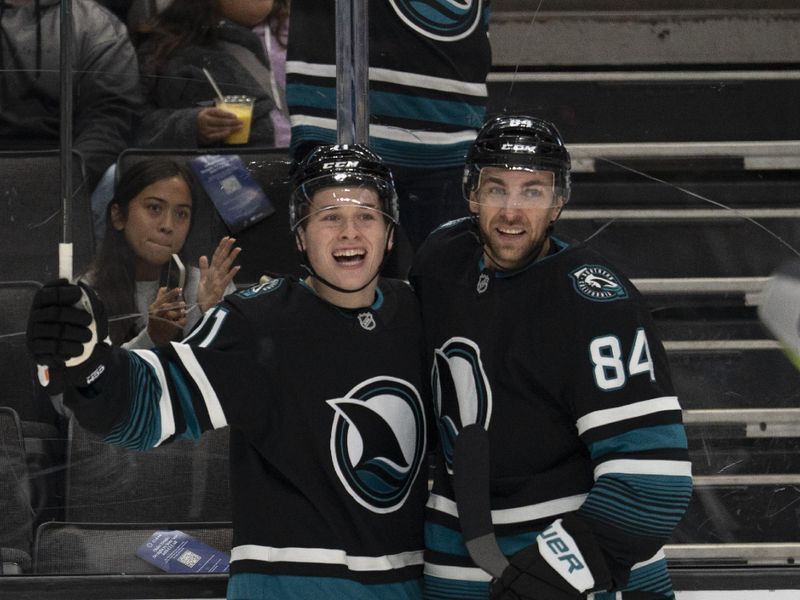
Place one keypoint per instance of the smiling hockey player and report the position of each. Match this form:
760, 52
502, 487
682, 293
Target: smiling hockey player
320, 380
548, 350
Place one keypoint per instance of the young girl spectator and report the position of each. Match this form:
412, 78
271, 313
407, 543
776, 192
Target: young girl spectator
175, 47
147, 221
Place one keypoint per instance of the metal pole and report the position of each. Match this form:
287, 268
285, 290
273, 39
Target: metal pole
361, 70
65, 64
352, 80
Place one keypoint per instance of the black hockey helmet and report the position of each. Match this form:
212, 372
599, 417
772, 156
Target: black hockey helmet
347, 166
518, 142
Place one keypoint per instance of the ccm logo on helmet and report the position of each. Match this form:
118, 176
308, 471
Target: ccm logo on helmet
340, 164
519, 148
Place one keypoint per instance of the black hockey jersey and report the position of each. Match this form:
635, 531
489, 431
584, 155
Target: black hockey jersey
560, 362
328, 431
427, 78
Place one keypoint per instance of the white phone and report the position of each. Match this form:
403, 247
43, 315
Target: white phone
173, 274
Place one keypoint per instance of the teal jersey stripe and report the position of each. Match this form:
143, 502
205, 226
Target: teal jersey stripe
437, 588
449, 112
640, 440
618, 500
311, 96
652, 577
193, 430
257, 586
393, 105
142, 429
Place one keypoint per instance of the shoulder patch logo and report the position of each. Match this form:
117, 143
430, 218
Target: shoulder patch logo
261, 288
441, 20
378, 442
597, 283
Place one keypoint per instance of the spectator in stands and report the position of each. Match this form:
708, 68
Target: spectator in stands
175, 47
106, 89
147, 221
427, 72
321, 381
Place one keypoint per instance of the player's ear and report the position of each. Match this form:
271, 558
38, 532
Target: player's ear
300, 239
557, 209
474, 208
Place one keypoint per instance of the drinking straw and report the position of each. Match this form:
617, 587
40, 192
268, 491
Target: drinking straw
214, 85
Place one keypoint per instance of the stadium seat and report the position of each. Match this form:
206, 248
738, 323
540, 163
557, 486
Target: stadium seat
67, 548
16, 512
180, 481
267, 246
32, 218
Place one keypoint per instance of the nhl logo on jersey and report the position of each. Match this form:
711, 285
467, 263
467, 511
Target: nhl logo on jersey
483, 283
366, 320
378, 441
597, 283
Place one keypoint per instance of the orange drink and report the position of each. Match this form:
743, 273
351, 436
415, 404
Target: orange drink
242, 107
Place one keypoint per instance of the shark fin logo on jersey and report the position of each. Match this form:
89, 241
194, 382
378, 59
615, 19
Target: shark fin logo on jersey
262, 288
441, 20
461, 391
597, 283
378, 442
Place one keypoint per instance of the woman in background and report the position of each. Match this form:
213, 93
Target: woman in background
147, 221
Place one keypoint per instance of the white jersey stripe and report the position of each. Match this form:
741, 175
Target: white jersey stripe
326, 556
521, 514
644, 467
195, 371
606, 416
397, 134
456, 573
164, 402
427, 82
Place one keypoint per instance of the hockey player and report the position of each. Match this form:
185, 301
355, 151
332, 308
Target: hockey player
320, 381
546, 353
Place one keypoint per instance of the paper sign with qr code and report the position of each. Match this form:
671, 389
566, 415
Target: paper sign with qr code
239, 199
176, 552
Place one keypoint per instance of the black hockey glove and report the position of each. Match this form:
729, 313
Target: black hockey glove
67, 336
564, 564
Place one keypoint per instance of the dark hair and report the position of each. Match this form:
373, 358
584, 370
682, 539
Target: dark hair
182, 23
112, 273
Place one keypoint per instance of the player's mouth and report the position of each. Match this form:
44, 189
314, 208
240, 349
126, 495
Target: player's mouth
350, 256
510, 231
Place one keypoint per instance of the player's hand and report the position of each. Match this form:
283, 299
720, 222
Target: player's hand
166, 316
215, 124
215, 276
563, 564
67, 335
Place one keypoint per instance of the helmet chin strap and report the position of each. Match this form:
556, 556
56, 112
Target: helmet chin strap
306, 265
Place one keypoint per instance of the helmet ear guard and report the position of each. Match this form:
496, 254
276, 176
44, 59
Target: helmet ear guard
518, 142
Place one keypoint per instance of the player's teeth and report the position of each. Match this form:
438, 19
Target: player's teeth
348, 253
511, 231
